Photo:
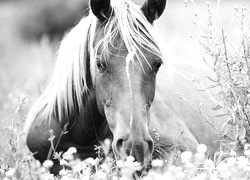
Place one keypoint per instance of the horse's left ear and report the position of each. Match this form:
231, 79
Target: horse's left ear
153, 9
101, 9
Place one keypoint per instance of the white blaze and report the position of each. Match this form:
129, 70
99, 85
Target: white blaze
129, 59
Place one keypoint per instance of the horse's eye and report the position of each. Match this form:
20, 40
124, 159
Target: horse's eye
100, 65
157, 66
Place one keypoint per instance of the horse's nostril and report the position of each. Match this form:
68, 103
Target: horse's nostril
150, 146
119, 144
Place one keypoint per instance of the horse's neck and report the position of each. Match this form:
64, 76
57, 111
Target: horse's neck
89, 126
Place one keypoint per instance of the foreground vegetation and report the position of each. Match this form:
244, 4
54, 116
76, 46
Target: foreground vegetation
231, 66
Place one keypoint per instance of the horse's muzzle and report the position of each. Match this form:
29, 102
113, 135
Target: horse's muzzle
140, 149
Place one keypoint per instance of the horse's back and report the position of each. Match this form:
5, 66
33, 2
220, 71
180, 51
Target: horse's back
175, 111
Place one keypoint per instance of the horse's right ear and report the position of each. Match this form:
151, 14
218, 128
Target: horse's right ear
101, 9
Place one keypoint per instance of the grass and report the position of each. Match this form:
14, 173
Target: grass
25, 67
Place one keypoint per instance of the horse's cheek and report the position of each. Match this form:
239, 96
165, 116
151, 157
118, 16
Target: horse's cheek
102, 91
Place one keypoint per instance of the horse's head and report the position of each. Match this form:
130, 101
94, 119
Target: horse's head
125, 62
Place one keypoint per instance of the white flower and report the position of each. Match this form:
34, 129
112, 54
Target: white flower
48, 176
242, 161
199, 157
189, 165
232, 153
130, 162
80, 166
172, 168
247, 152
157, 163
123, 178
11, 172
130, 158
209, 163
231, 161
186, 156
222, 167
86, 172
119, 163
48, 164
101, 175
90, 161
201, 176
247, 168
63, 162
168, 175
63, 172
178, 168
115, 178
246, 146
180, 175
71, 150
202, 148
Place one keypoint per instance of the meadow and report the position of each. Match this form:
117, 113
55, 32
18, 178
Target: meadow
28, 45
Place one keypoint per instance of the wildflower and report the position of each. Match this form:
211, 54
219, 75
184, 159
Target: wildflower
180, 175
246, 146
115, 178
247, 168
247, 152
130, 162
86, 172
11, 172
232, 153
157, 163
168, 175
199, 157
130, 158
154, 175
202, 148
71, 150
63, 172
48, 164
63, 162
80, 166
147, 178
222, 167
189, 165
186, 156
101, 175
90, 161
123, 178
42, 169
68, 157
178, 168
172, 168
119, 163
242, 161
48, 176
231, 161
201, 177
208, 163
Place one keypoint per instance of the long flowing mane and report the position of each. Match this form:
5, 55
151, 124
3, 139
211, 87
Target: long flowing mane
64, 94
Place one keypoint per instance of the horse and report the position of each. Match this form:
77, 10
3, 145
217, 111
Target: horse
104, 86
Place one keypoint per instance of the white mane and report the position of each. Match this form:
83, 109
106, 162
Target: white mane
68, 83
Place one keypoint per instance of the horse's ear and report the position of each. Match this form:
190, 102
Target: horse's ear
101, 9
153, 9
